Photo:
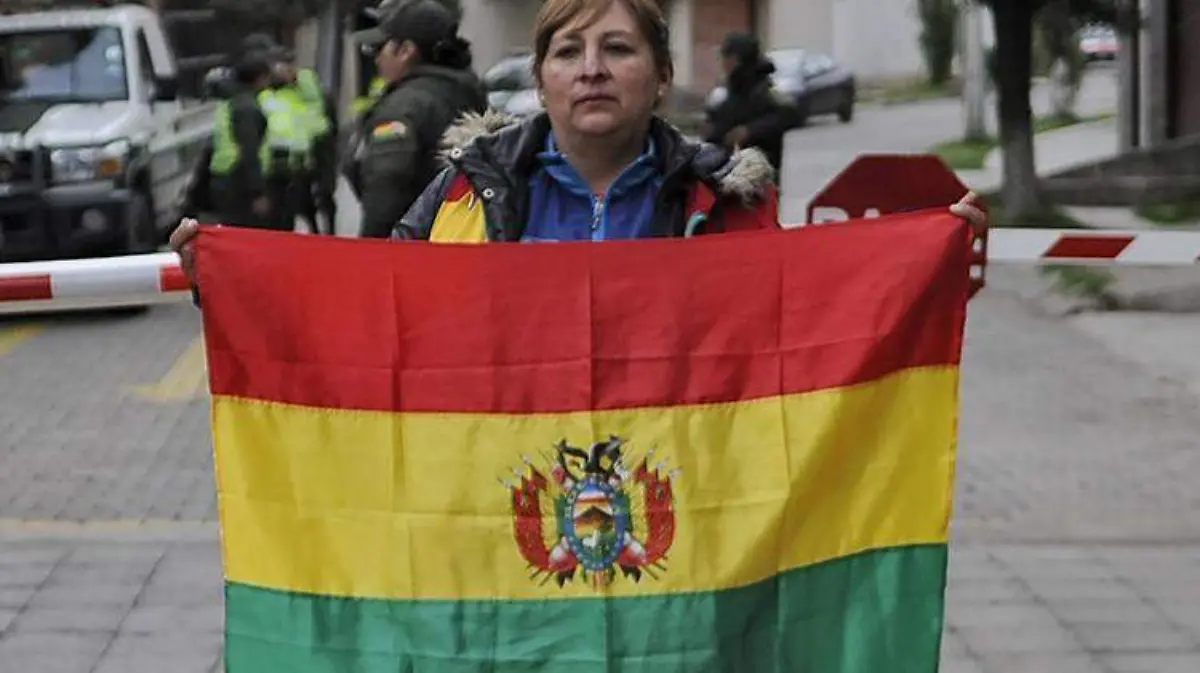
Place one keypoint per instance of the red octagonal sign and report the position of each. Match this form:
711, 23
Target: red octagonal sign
885, 184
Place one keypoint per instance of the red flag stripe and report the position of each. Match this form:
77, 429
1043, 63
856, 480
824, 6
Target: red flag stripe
511, 328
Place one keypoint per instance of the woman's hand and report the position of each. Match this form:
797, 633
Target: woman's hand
183, 242
737, 137
968, 209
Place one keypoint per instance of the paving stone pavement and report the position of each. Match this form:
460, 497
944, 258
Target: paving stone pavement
77, 441
110, 606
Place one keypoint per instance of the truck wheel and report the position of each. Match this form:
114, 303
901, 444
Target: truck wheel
142, 235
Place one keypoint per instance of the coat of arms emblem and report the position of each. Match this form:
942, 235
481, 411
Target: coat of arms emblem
606, 516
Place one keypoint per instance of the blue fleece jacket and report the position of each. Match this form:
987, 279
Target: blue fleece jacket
563, 208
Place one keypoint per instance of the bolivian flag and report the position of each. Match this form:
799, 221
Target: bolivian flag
729, 453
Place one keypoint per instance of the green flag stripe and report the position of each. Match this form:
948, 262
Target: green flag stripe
876, 611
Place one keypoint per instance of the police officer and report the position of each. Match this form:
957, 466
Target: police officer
378, 86
427, 67
218, 84
239, 166
313, 173
288, 133
322, 112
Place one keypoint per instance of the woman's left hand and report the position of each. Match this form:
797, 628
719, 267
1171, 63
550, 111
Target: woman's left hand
737, 137
968, 209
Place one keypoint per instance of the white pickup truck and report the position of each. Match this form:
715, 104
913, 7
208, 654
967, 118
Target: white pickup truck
96, 142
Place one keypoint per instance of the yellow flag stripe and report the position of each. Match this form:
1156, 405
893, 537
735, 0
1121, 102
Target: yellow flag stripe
411, 506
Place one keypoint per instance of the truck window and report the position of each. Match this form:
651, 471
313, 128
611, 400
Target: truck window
82, 65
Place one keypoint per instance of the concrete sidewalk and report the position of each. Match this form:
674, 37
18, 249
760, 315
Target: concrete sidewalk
1054, 151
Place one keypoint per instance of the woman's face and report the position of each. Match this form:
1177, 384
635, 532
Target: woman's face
393, 60
601, 79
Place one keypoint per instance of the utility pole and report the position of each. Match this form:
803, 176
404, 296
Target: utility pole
974, 71
1129, 65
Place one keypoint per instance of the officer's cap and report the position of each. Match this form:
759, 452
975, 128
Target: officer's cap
265, 46
252, 66
423, 22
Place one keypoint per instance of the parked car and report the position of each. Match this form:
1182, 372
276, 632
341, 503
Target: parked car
1099, 43
818, 84
511, 86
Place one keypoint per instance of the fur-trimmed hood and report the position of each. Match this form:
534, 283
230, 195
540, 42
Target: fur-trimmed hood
746, 174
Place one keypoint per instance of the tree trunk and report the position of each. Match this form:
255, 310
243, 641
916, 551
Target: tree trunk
1013, 21
975, 76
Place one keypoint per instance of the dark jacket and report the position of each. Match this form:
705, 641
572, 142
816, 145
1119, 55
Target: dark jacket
497, 157
399, 139
231, 195
752, 102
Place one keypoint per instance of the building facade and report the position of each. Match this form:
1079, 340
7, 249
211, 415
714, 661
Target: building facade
875, 38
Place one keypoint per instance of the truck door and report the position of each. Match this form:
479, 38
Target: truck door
181, 127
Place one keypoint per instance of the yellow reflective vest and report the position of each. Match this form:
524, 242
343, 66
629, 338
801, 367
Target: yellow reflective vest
288, 126
364, 103
226, 152
312, 94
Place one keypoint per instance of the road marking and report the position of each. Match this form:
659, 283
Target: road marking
187, 379
11, 337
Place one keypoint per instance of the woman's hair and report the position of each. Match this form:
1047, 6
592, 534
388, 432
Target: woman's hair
556, 14
452, 53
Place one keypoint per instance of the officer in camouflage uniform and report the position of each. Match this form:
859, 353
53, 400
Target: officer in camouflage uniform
430, 84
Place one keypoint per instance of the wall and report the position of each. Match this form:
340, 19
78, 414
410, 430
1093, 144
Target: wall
799, 23
877, 38
497, 27
712, 20
494, 27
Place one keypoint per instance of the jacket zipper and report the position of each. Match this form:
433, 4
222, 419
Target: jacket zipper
597, 212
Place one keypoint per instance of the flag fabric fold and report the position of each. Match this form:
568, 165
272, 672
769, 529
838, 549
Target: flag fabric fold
728, 453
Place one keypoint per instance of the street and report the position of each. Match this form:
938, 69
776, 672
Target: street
1077, 519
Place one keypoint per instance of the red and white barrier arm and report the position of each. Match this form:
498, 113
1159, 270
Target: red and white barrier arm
106, 282
140, 280
1089, 246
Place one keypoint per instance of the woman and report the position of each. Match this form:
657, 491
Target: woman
753, 114
598, 164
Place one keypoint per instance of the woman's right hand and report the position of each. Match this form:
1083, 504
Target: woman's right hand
183, 242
